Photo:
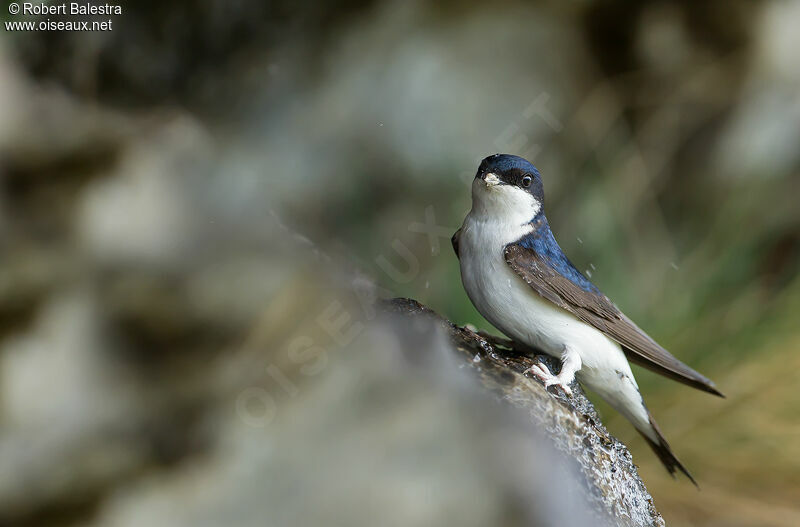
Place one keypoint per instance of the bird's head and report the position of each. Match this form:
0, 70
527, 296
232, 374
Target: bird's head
507, 187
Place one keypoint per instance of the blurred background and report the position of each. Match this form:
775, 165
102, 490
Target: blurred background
179, 197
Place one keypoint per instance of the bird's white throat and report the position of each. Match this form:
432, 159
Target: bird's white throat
504, 204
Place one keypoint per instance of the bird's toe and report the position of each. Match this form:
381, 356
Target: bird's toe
539, 371
555, 381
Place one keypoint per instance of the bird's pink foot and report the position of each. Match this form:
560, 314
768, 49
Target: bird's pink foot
541, 372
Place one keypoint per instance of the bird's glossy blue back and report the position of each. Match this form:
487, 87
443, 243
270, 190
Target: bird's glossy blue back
544, 244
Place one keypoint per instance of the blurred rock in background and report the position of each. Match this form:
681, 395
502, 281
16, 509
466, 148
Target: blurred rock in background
152, 179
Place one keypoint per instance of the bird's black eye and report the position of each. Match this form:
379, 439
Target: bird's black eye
526, 181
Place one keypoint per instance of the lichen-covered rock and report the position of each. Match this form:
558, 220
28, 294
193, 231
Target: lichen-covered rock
611, 480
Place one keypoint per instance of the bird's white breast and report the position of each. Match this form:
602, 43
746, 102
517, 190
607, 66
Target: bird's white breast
503, 297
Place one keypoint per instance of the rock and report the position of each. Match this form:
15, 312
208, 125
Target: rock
609, 479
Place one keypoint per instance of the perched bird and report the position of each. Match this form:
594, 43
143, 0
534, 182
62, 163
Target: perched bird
520, 280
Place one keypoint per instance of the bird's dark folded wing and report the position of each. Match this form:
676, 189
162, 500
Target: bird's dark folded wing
596, 309
454, 241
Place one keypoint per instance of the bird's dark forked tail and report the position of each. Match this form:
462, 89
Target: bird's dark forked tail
665, 453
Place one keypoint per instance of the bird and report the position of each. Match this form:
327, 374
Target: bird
520, 280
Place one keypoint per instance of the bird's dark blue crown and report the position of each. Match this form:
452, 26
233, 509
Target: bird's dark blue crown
505, 162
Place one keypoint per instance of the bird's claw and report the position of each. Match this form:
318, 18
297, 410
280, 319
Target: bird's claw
539, 371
